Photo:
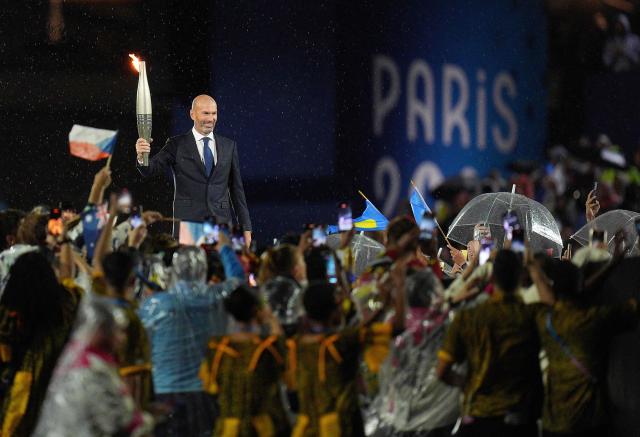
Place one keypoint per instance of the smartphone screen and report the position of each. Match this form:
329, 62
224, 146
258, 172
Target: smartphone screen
210, 232
481, 231
135, 220
517, 240
486, 245
319, 236
509, 223
427, 227
237, 239
345, 220
332, 275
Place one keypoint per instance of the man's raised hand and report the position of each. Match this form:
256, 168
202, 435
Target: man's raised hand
142, 146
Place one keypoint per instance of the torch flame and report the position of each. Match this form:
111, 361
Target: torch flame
135, 61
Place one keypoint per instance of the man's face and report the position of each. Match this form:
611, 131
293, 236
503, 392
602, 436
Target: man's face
204, 116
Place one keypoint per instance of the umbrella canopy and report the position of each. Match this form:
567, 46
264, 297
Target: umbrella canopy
364, 249
612, 222
541, 229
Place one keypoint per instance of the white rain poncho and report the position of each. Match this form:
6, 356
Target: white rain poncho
180, 321
87, 397
411, 398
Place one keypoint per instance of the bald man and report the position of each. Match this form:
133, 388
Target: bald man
205, 168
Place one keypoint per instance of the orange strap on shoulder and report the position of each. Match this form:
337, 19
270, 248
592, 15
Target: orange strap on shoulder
221, 349
292, 363
266, 344
327, 345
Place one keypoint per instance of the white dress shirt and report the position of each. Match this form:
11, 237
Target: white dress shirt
200, 144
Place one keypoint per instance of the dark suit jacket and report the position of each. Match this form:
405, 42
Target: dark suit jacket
197, 196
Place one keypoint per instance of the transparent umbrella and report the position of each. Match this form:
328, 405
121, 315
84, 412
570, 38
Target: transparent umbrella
364, 249
612, 222
541, 229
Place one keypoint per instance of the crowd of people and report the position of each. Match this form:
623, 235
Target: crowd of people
561, 183
144, 336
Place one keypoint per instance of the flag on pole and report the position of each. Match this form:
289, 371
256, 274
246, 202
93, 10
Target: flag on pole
418, 205
371, 219
91, 143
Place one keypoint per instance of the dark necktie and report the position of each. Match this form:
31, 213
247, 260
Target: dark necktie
208, 156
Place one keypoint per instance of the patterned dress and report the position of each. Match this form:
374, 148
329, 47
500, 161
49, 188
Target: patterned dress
323, 369
26, 369
245, 374
575, 398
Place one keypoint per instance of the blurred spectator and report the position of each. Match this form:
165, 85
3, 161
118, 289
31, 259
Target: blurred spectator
87, 397
503, 386
243, 369
9, 223
36, 315
282, 271
576, 339
179, 323
622, 49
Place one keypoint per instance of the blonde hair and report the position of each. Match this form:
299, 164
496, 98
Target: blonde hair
278, 261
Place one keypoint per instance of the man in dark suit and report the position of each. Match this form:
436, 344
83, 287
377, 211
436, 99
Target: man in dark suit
205, 168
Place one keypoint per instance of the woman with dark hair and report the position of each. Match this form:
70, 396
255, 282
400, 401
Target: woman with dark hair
36, 315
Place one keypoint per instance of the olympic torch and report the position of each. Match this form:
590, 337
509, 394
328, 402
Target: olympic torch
143, 105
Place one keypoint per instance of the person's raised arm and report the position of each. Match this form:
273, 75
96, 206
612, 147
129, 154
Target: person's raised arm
103, 246
392, 289
66, 255
101, 181
541, 281
230, 262
158, 163
592, 206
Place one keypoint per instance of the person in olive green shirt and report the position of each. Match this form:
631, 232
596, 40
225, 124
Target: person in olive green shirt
243, 370
576, 339
498, 340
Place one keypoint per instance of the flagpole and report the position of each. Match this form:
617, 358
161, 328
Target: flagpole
362, 194
434, 219
109, 161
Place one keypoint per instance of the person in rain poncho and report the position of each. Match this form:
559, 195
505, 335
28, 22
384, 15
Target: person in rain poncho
282, 270
411, 399
179, 323
87, 397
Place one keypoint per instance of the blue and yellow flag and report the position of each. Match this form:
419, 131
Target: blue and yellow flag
371, 219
